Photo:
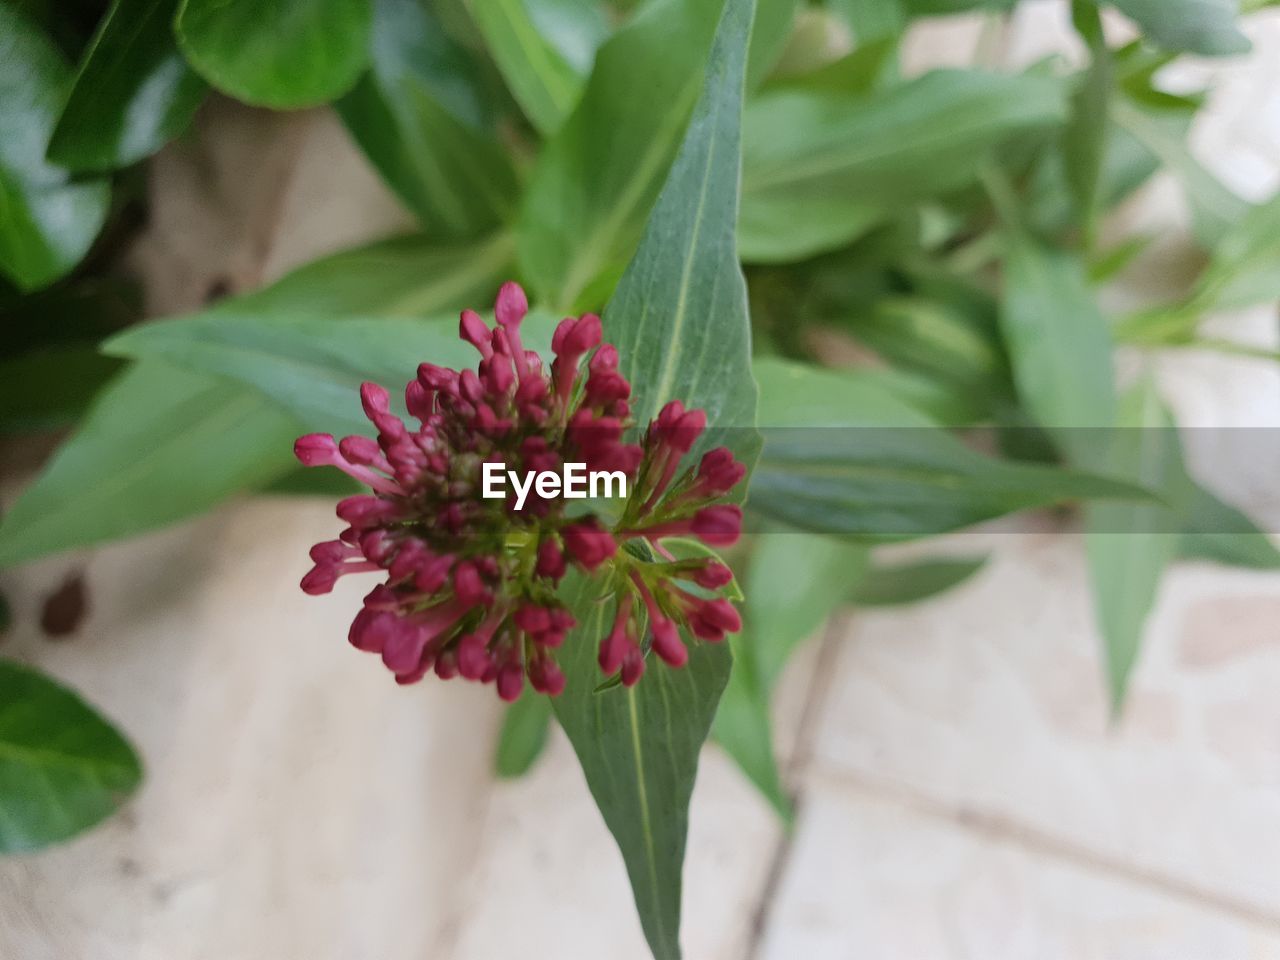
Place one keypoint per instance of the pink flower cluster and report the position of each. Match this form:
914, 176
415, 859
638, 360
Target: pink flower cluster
471, 583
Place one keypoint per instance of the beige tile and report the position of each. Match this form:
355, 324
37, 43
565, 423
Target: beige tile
297, 803
869, 879
549, 880
991, 699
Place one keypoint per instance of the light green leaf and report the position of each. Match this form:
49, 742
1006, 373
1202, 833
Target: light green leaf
1214, 208
845, 456
1206, 27
1059, 343
1128, 546
679, 319
158, 445
1215, 530
544, 79
310, 366
277, 53
794, 583
523, 736
1245, 268
417, 115
821, 166
133, 94
401, 277
47, 219
893, 585
1084, 137
62, 767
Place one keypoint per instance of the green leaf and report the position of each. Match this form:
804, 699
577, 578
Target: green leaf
310, 366
1084, 138
50, 387
1059, 343
48, 219
277, 53
1214, 208
794, 583
1128, 546
898, 584
872, 20
1245, 268
62, 767
821, 166
544, 80
845, 456
419, 117
159, 444
598, 176
639, 749
1214, 530
1206, 27
402, 277
133, 94
523, 736
679, 319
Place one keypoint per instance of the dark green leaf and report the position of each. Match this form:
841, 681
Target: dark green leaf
1128, 546
544, 79
133, 94
680, 322
523, 736
794, 583
277, 53
598, 176
159, 444
639, 748
903, 583
847, 457
50, 387
49, 220
417, 114
1207, 27
62, 767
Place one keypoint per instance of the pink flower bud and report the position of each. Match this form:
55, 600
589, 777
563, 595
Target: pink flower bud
374, 399
667, 643
419, 401
713, 576
320, 579
511, 307
550, 560
316, 450
719, 472
632, 667
719, 525
510, 682
588, 544
473, 330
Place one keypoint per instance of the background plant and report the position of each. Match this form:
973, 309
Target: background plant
954, 223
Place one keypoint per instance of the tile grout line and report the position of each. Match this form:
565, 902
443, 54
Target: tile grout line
1001, 829
802, 755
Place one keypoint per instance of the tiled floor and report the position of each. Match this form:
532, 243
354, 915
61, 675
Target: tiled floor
961, 792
